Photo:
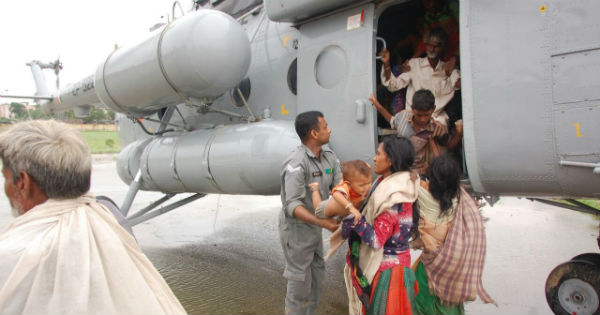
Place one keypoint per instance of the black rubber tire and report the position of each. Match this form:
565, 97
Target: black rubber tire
593, 258
582, 270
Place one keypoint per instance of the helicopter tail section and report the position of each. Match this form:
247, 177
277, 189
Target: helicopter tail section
39, 79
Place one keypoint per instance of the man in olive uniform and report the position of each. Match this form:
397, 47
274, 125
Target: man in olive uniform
299, 228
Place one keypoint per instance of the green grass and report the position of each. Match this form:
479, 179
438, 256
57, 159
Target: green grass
102, 141
591, 202
594, 203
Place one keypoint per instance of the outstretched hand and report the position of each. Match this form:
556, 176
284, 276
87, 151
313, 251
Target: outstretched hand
459, 127
357, 215
439, 129
374, 101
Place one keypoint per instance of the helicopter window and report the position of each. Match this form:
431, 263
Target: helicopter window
330, 66
244, 87
292, 76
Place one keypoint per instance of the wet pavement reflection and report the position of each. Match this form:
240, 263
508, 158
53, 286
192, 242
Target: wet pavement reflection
216, 279
207, 281
222, 256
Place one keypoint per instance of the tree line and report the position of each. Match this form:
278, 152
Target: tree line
20, 112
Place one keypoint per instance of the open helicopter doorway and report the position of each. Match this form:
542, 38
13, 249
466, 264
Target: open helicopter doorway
401, 27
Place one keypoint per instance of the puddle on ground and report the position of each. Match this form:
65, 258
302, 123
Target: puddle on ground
216, 279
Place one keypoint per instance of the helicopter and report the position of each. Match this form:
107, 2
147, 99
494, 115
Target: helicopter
207, 101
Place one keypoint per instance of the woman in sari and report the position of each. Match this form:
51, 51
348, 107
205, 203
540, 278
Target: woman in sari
378, 275
451, 234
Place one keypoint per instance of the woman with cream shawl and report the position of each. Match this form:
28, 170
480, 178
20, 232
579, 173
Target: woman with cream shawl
377, 275
451, 234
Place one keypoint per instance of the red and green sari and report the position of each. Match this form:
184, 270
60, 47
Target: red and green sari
379, 241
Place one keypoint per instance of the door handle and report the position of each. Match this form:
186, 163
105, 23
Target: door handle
361, 111
382, 40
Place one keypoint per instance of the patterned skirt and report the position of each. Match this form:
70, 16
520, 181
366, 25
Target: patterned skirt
394, 291
428, 304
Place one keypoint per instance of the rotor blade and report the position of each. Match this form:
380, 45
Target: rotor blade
27, 97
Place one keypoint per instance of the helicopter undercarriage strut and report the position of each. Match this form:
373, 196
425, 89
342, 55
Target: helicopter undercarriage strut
147, 213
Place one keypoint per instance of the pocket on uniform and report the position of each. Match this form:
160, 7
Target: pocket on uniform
284, 234
295, 267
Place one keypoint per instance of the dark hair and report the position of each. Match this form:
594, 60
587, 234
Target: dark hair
401, 153
423, 100
306, 122
353, 167
444, 180
438, 33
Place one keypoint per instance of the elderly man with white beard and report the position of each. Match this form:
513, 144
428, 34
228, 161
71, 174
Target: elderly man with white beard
430, 73
65, 253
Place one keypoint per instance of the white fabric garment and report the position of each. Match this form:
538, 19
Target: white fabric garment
423, 76
72, 257
396, 188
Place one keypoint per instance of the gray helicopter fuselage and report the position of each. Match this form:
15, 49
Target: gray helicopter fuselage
530, 96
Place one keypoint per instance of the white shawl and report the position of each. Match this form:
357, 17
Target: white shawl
394, 189
72, 257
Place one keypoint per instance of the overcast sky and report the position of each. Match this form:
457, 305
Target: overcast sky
82, 32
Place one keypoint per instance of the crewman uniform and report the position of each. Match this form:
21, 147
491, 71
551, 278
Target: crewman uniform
302, 242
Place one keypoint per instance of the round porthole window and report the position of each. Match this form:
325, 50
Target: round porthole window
292, 76
330, 66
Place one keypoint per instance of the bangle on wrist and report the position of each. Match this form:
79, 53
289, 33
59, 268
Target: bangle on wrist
314, 189
348, 206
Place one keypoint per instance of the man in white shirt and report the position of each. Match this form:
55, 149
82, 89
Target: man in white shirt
65, 253
430, 73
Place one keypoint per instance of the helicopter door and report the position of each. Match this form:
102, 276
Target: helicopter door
335, 76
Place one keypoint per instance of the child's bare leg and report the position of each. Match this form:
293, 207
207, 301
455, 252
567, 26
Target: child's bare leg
333, 208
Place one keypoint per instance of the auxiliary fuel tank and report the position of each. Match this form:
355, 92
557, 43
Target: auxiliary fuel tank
236, 159
202, 54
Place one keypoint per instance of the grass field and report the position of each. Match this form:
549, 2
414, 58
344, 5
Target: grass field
591, 202
102, 141
594, 203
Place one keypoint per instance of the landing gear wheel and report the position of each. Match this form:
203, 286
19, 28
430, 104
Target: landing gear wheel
589, 257
573, 288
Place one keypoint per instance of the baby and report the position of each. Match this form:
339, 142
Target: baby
348, 195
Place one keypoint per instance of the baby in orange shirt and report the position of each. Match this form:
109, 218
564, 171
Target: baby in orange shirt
348, 195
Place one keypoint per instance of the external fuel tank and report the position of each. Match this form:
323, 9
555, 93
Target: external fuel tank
200, 55
234, 159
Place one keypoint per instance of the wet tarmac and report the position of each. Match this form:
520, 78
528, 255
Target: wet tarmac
221, 254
